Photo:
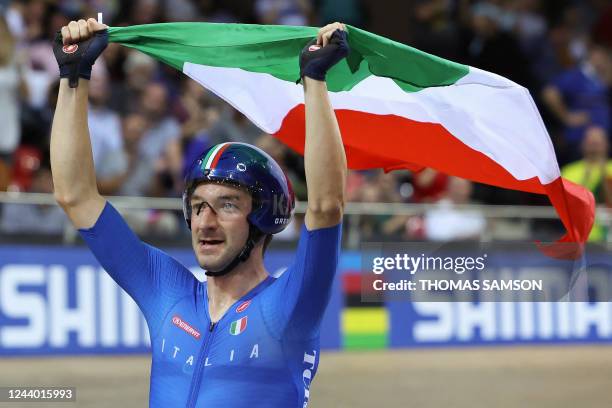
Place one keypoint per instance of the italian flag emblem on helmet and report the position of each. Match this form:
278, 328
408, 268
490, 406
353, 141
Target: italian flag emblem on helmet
238, 326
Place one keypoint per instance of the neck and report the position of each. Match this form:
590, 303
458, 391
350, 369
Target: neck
224, 291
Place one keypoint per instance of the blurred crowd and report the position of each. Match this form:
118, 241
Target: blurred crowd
148, 121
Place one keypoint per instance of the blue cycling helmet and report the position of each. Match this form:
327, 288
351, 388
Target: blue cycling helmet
246, 166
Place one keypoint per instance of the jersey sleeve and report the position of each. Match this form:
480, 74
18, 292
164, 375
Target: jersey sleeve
293, 306
151, 277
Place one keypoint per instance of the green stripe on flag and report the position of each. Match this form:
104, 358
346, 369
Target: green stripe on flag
275, 50
252, 47
410, 68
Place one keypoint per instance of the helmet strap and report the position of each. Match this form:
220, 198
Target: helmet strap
254, 235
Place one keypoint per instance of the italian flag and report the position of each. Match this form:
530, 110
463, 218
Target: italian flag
397, 107
238, 326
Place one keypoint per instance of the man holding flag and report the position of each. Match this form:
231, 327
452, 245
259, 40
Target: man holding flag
242, 338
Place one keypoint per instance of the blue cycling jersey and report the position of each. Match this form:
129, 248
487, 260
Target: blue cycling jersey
263, 352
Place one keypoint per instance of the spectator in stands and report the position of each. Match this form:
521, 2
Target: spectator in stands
181, 10
594, 171
233, 126
200, 111
161, 130
577, 19
139, 70
13, 12
602, 29
379, 187
286, 12
491, 44
149, 173
146, 11
435, 29
12, 89
532, 33
350, 12
29, 218
106, 138
226, 11
370, 225
37, 15
446, 222
136, 181
530, 25
138, 178
120, 165
429, 186
579, 97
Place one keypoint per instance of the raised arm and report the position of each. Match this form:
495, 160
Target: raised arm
151, 277
324, 157
295, 304
72, 165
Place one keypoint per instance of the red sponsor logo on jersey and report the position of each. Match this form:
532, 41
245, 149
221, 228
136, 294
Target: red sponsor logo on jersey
180, 323
314, 47
243, 306
70, 48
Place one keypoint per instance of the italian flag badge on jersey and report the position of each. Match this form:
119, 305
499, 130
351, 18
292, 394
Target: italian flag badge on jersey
238, 326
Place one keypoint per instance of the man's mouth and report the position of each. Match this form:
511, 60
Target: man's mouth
209, 243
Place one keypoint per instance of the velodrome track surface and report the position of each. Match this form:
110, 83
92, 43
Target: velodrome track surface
542, 377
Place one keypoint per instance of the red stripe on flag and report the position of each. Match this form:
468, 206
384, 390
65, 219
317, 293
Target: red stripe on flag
576, 208
392, 142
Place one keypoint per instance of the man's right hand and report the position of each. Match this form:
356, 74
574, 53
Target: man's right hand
76, 48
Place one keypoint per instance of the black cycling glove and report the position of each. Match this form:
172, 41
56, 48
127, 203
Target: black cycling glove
75, 60
315, 60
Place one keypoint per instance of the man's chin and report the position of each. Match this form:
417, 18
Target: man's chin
213, 265
217, 262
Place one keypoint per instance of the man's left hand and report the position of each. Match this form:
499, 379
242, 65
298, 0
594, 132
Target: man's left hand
322, 53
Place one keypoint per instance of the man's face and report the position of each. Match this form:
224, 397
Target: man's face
219, 226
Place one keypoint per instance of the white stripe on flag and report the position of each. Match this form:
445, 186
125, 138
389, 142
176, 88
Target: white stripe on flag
488, 113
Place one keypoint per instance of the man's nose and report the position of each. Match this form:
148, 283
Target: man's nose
207, 218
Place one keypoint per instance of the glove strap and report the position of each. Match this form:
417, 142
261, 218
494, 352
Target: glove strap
70, 58
73, 75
